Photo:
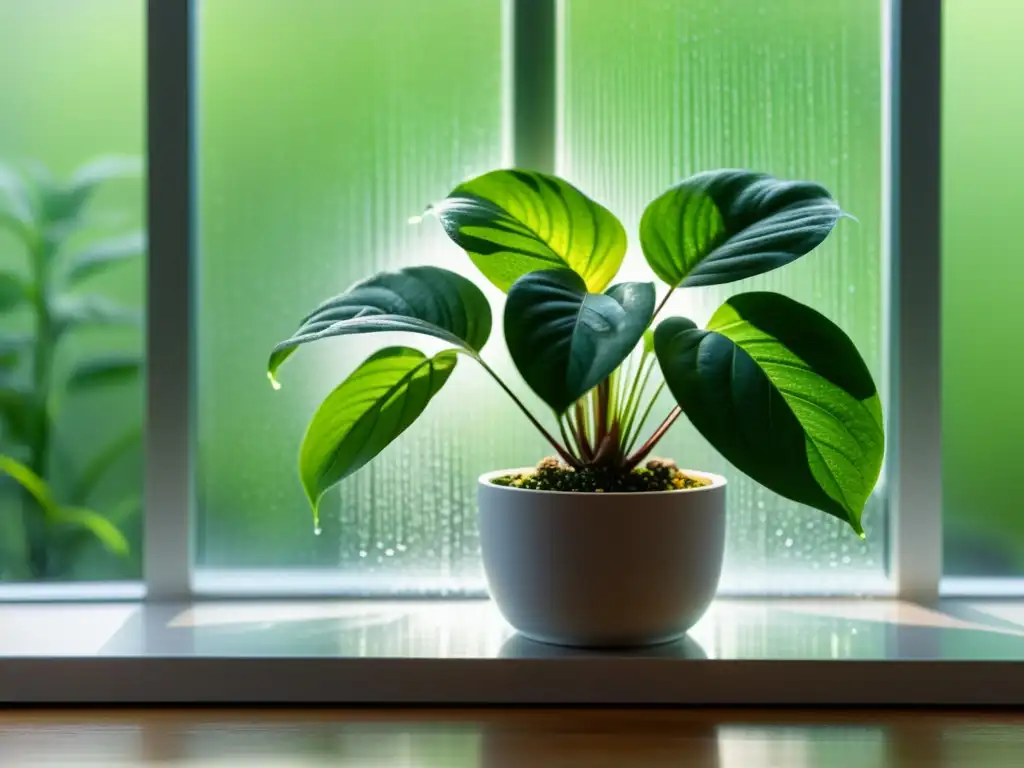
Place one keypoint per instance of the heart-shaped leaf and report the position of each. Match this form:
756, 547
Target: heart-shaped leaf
564, 340
368, 410
427, 300
721, 226
513, 222
784, 395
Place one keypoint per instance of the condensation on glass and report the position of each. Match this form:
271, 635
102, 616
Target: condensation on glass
72, 97
656, 90
982, 271
314, 154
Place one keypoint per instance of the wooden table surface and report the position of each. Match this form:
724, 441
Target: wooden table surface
493, 738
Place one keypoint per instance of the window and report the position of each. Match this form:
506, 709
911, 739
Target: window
301, 194
657, 90
71, 143
982, 409
299, 175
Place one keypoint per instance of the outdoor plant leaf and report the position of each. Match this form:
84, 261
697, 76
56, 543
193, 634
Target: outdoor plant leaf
103, 529
782, 393
564, 340
99, 256
721, 226
70, 312
367, 411
12, 291
514, 222
103, 371
426, 300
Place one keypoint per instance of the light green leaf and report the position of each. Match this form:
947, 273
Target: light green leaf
784, 395
104, 371
16, 213
564, 340
368, 410
31, 482
721, 226
74, 311
99, 526
649, 342
12, 291
100, 256
513, 222
425, 300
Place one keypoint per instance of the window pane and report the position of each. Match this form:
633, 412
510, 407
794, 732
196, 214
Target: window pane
982, 316
313, 155
658, 89
71, 211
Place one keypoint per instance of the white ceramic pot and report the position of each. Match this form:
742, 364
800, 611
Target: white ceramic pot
602, 570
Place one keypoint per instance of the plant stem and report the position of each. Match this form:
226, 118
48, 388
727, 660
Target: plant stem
563, 453
636, 396
581, 431
602, 396
568, 434
662, 304
652, 441
647, 412
39, 445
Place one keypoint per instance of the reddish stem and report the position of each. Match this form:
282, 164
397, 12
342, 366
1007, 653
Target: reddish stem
652, 441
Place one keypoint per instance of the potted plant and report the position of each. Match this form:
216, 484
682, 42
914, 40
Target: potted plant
599, 545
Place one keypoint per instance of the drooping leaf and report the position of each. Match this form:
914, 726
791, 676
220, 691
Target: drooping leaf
721, 226
564, 340
367, 411
104, 371
12, 291
73, 311
65, 202
784, 395
426, 300
55, 513
99, 526
513, 222
100, 256
31, 482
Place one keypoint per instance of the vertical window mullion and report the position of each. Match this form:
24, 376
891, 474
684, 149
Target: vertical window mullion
533, 64
914, 456
169, 486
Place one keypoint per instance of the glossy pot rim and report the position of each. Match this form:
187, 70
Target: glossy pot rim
717, 482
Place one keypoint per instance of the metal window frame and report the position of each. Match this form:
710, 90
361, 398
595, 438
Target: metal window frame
912, 41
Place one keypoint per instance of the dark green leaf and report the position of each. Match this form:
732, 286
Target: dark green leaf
783, 394
427, 300
74, 311
12, 291
725, 225
11, 348
23, 417
514, 222
100, 256
372, 407
104, 371
564, 340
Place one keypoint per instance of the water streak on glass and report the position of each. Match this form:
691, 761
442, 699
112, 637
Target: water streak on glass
656, 90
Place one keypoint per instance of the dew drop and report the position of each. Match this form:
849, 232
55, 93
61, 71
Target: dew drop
789, 542
317, 530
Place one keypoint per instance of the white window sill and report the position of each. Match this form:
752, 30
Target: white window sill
807, 651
